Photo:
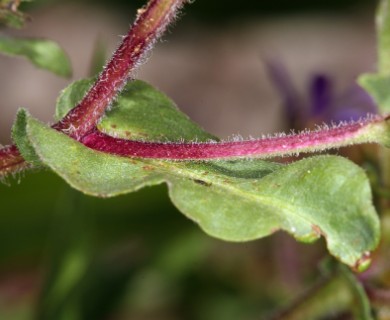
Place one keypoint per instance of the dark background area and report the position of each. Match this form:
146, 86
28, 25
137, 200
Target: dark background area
219, 10
215, 11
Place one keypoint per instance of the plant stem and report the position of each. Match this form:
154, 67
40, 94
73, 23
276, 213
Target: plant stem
149, 25
11, 161
328, 296
371, 130
340, 292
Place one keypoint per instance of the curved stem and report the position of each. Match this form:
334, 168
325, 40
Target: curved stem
371, 130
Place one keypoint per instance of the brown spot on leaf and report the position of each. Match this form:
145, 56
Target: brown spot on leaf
203, 183
113, 126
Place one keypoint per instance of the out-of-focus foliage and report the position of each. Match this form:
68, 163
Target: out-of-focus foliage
43, 53
10, 15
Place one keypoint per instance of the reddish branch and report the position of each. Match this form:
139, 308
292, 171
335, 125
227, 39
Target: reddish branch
151, 22
80, 122
267, 147
149, 25
11, 160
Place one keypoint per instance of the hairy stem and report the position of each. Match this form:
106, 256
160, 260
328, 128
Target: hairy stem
11, 161
149, 25
371, 130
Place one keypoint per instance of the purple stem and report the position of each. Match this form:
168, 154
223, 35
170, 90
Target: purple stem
326, 138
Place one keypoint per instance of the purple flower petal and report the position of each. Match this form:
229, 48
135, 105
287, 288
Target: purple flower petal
320, 95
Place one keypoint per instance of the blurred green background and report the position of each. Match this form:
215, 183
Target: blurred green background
64, 255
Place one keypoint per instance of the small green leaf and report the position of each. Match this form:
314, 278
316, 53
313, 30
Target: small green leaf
71, 96
143, 113
19, 136
236, 200
383, 32
43, 53
10, 15
377, 85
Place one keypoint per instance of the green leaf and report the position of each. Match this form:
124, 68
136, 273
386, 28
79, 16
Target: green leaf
383, 34
78, 165
312, 197
43, 53
10, 15
12, 19
19, 136
377, 85
236, 200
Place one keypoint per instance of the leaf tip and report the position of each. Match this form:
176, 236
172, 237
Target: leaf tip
363, 263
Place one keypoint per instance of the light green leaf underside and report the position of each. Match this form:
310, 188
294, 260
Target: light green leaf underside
43, 53
236, 200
